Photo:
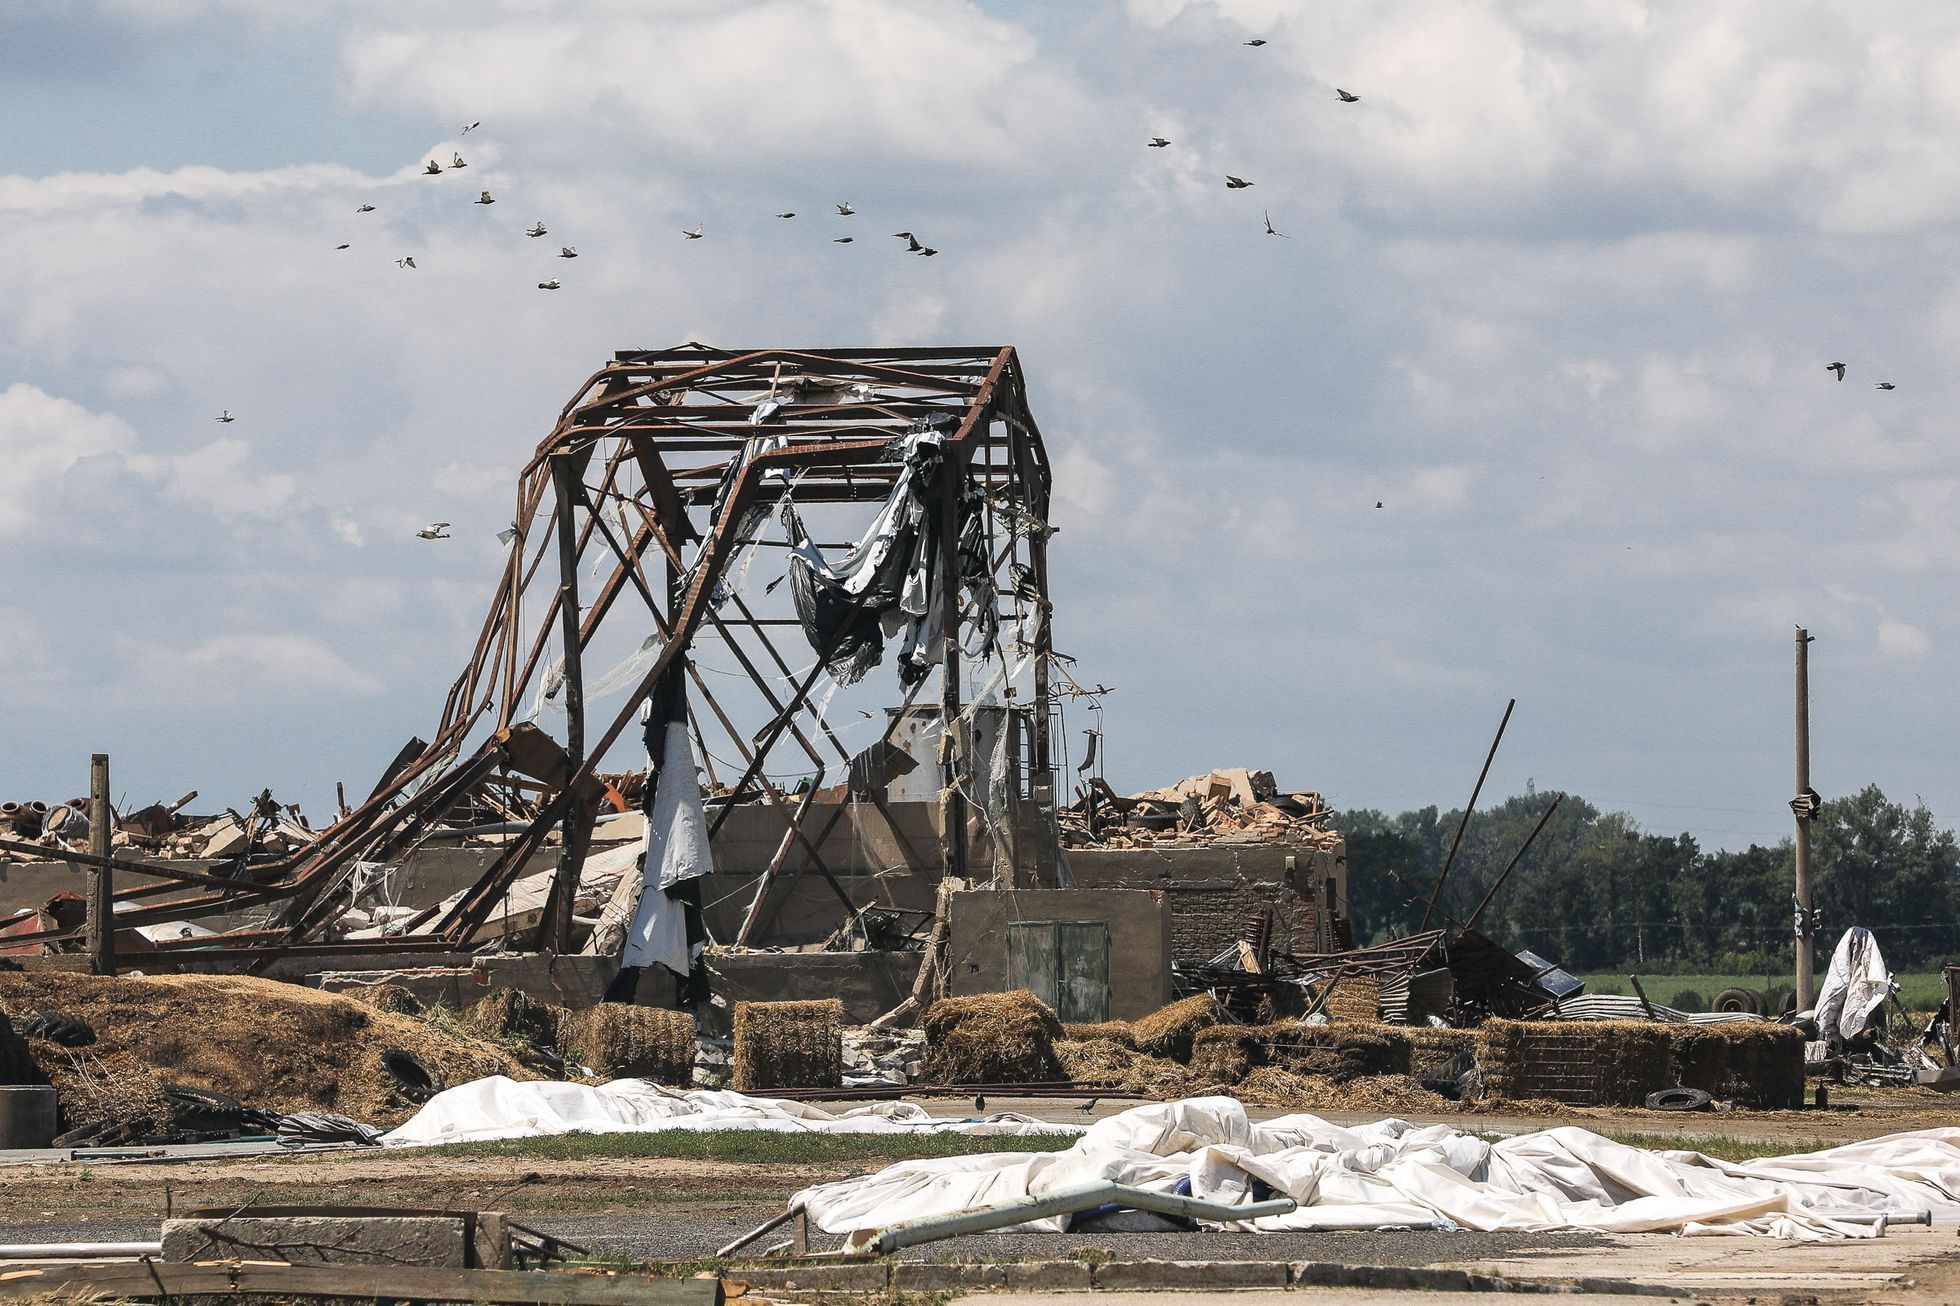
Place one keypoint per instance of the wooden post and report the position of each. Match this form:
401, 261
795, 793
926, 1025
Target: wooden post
571, 851
101, 898
1806, 957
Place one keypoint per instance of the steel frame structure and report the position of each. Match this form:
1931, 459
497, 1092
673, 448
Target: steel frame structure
632, 474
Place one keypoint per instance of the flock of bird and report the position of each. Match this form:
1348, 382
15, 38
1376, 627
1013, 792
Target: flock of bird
1841, 369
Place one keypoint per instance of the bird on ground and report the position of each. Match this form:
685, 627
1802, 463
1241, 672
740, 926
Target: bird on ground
408, 262
224, 416
696, 233
1088, 1106
456, 161
1886, 385
535, 231
1269, 228
365, 208
552, 284
432, 169
433, 531
979, 1102
566, 251
1347, 97
1156, 143
472, 127
1835, 367
842, 240
485, 198
785, 215
343, 247
845, 210
1235, 183
1255, 41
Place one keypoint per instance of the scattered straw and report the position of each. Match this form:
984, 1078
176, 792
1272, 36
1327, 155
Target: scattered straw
1168, 1032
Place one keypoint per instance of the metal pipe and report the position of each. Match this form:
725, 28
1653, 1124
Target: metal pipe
75, 1251
1436, 894
1080, 1197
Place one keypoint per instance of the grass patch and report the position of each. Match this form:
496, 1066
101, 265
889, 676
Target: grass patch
1724, 1147
1920, 990
757, 1146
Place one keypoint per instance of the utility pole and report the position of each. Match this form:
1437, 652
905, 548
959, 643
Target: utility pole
1805, 806
101, 920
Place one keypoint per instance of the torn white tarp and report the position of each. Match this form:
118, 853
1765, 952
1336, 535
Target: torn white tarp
1398, 1174
1856, 985
499, 1107
676, 850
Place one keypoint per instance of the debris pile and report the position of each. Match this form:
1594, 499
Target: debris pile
883, 1056
1229, 806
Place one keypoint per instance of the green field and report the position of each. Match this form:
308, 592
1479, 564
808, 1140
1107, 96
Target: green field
1919, 990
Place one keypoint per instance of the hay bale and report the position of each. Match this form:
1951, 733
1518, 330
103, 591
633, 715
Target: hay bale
1168, 1031
1430, 1047
1356, 998
616, 1040
387, 997
1228, 1054
1111, 1065
1113, 1031
512, 1016
1751, 1063
782, 1045
1577, 1062
992, 1038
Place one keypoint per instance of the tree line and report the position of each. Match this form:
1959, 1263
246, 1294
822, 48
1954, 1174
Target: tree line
1595, 891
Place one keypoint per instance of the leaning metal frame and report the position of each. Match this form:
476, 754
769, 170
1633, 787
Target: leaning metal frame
651, 436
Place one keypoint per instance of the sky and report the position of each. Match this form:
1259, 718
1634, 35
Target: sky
1557, 293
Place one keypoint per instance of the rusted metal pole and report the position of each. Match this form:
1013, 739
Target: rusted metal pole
571, 853
1436, 894
1505, 874
102, 888
1806, 944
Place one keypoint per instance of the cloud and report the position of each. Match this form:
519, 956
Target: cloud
41, 438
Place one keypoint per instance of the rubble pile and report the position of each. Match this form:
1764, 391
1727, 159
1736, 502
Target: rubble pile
883, 1056
1230, 806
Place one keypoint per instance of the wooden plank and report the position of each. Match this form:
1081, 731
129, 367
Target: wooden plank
150, 1280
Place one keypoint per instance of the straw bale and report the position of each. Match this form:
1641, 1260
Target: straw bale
1116, 1031
1227, 1054
1752, 1063
992, 1038
1168, 1031
1430, 1047
617, 1040
1577, 1062
1109, 1064
513, 1016
1355, 998
782, 1045
282, 1047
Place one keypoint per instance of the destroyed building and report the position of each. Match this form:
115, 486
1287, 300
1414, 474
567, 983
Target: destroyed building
814, 584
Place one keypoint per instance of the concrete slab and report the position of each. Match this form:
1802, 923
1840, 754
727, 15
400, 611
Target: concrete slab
422, 1240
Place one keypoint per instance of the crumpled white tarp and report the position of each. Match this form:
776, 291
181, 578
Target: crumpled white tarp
676, 849
1856, 985
1394, 1173
500, 1107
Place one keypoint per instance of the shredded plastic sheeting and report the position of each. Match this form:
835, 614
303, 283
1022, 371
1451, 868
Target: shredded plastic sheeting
499, 1107
1395, 1174
1856, 985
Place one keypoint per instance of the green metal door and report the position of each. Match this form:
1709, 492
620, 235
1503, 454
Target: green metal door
1064, 963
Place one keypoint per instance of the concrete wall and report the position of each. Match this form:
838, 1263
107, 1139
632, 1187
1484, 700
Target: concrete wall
1214, 890
869, 983
1139, 940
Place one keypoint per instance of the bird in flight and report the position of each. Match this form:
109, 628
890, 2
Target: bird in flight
566, 251
456, 161
1378, 503
433, 531
1255, 41
484, 198
365, 208
1269, 228
224, 416
1235, 183
552, 284
1347, 97
842, 240
1835, 367
1156, 143
845, 210
472, 127
408, 262
911, 241
343, 247
696, 233
432, 169
1886, 385
925, 251
785, 215
535, 231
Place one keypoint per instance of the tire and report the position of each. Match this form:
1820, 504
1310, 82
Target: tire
199, 1112
417, 1080
1679, 1099
56, 1027
1746, 1001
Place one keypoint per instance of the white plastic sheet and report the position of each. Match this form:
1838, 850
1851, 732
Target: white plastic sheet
1855, 986
676, 850
1397, 1174
500, 1107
